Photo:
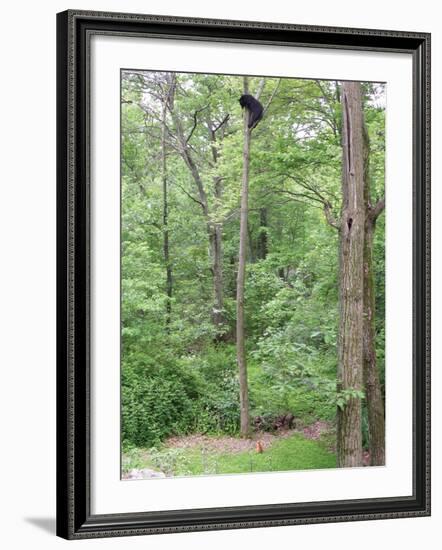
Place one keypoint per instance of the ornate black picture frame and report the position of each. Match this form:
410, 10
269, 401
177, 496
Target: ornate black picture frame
74, 518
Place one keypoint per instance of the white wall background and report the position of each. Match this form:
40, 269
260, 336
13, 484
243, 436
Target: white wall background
27, 219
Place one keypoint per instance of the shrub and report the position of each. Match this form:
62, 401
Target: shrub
163, 396
219, 406
158, 400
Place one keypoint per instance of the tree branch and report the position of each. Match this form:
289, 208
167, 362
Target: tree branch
260, 88
315, 197
195, 122
331, 220
266, 108
189, 195
310, 187
377, 209
225, 119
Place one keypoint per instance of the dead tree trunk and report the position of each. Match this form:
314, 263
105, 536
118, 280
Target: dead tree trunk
350, 365
240, 335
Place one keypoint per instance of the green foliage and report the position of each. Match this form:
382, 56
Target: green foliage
344, 396
158, 398
164, 396
170, 460
219, 405
177, 377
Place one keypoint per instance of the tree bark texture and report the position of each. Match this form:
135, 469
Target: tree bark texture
350, 364
216, 252
216, 244
167, 100
372, 385
373, 392
240, 328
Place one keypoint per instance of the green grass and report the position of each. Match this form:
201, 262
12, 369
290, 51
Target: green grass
293, 453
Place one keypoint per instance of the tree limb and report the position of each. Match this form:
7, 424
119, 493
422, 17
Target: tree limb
195, 122
377, 209
271, 97
331, 220
189, 195
225, 119
260, 88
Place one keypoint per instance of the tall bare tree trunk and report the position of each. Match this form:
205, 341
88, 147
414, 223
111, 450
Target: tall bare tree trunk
216, 245
373, 393
240, 335
215, 237
372, 385
167, 99
216, 240
350, 365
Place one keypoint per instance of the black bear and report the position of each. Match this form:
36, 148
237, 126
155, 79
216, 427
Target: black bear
254, 107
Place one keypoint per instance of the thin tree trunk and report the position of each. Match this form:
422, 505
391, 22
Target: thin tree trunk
350, 365
262, 238
372, 385
240, 336
218, 318
373, 393
166, 252
233, 279
250, 244
216, 244
214, 229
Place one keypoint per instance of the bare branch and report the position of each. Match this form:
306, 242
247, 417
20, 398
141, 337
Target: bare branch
331, 220
188, 159
225, 119
377, 209
312, 197
189, 195
310, 187
301, 195
260, 88
195, 122
272, 96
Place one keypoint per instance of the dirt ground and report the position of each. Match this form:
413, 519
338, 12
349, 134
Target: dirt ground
226, 444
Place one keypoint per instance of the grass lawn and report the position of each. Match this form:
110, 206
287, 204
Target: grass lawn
291, 453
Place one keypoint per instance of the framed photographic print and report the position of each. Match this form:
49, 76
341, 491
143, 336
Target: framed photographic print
243, 274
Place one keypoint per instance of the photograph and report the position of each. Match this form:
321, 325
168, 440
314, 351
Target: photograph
252, 257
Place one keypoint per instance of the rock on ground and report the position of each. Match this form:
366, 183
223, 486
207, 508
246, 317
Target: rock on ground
144, 473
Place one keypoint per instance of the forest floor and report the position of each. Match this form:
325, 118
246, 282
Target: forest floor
309, 448
228, 444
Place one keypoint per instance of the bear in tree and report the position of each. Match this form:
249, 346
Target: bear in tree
254, 107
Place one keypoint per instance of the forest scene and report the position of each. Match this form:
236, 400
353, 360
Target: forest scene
252, 274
